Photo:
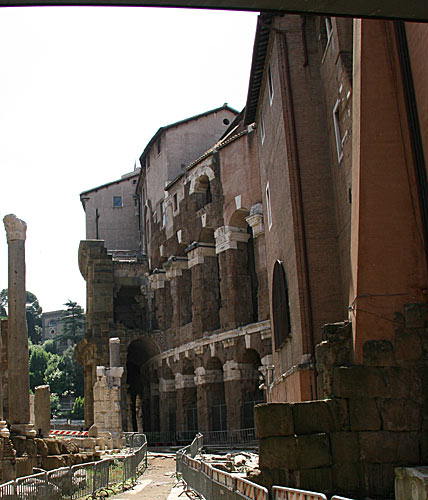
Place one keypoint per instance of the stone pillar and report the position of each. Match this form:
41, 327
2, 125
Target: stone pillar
107, 396
139, 412
210, 391
19, 382
205, 287
167, 405
186, 396
235, 281
42, 410
255, 221
180, 282
114, 351
233, 394
155, 407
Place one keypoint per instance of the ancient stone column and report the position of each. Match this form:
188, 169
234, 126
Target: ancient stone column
18, 365
42, 411
114, 348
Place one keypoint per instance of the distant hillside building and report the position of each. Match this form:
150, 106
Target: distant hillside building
53, 328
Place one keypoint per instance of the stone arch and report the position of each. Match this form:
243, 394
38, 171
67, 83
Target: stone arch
207, 235
139, 352
201, 180
237, 219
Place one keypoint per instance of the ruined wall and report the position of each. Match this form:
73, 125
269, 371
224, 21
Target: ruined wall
372, 419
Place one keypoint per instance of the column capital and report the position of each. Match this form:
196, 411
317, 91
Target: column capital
16, 229
198, 251
174, 266
227, 237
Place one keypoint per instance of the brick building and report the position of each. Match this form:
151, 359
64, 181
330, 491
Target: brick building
192, 313
307, 213
343, 174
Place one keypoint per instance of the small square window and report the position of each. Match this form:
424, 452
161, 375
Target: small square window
117, 201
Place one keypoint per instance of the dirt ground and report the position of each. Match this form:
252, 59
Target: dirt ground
157, 481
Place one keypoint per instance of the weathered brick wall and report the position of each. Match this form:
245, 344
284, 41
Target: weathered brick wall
373, 420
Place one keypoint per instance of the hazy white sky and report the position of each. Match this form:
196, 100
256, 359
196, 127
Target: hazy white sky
82, 91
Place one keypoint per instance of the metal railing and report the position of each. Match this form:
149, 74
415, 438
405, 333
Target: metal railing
213, 483
78, 481
229, 438
283, 493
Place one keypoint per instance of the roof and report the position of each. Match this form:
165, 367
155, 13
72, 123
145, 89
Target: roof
122, 179
181, 122
261, 42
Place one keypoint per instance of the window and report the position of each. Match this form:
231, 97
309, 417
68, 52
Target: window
148, 161
268, 207
270, 86
337, 132
159, 146
175, 202
262, 126
280, 305
117, 202
162, 213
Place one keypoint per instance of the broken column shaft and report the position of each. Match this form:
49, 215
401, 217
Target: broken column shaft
18, 365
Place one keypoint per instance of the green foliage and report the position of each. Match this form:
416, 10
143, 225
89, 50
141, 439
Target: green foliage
78, 411
54, 404
38, 363
33, 314
73, 323
50, 346
55, 376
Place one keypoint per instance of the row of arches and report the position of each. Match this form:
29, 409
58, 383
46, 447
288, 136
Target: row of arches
195, 394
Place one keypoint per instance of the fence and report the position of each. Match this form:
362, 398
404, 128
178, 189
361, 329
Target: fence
213, 483
229, 438
72, 483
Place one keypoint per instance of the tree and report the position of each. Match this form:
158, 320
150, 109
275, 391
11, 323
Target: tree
73, 323
49, 346
78, 411
55, 375
38, 364
33, 313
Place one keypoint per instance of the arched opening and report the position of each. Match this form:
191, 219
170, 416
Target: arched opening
216, 396
189, 400
139, 353
249, 363
202, 191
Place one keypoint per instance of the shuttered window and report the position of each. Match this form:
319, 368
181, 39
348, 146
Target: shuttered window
280, 305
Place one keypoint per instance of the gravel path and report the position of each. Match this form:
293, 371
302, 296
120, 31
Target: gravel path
157, 482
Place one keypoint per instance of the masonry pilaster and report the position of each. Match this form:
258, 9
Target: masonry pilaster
167, 404
205, 287
235, 281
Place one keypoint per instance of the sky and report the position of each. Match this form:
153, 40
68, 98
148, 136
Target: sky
82, 91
